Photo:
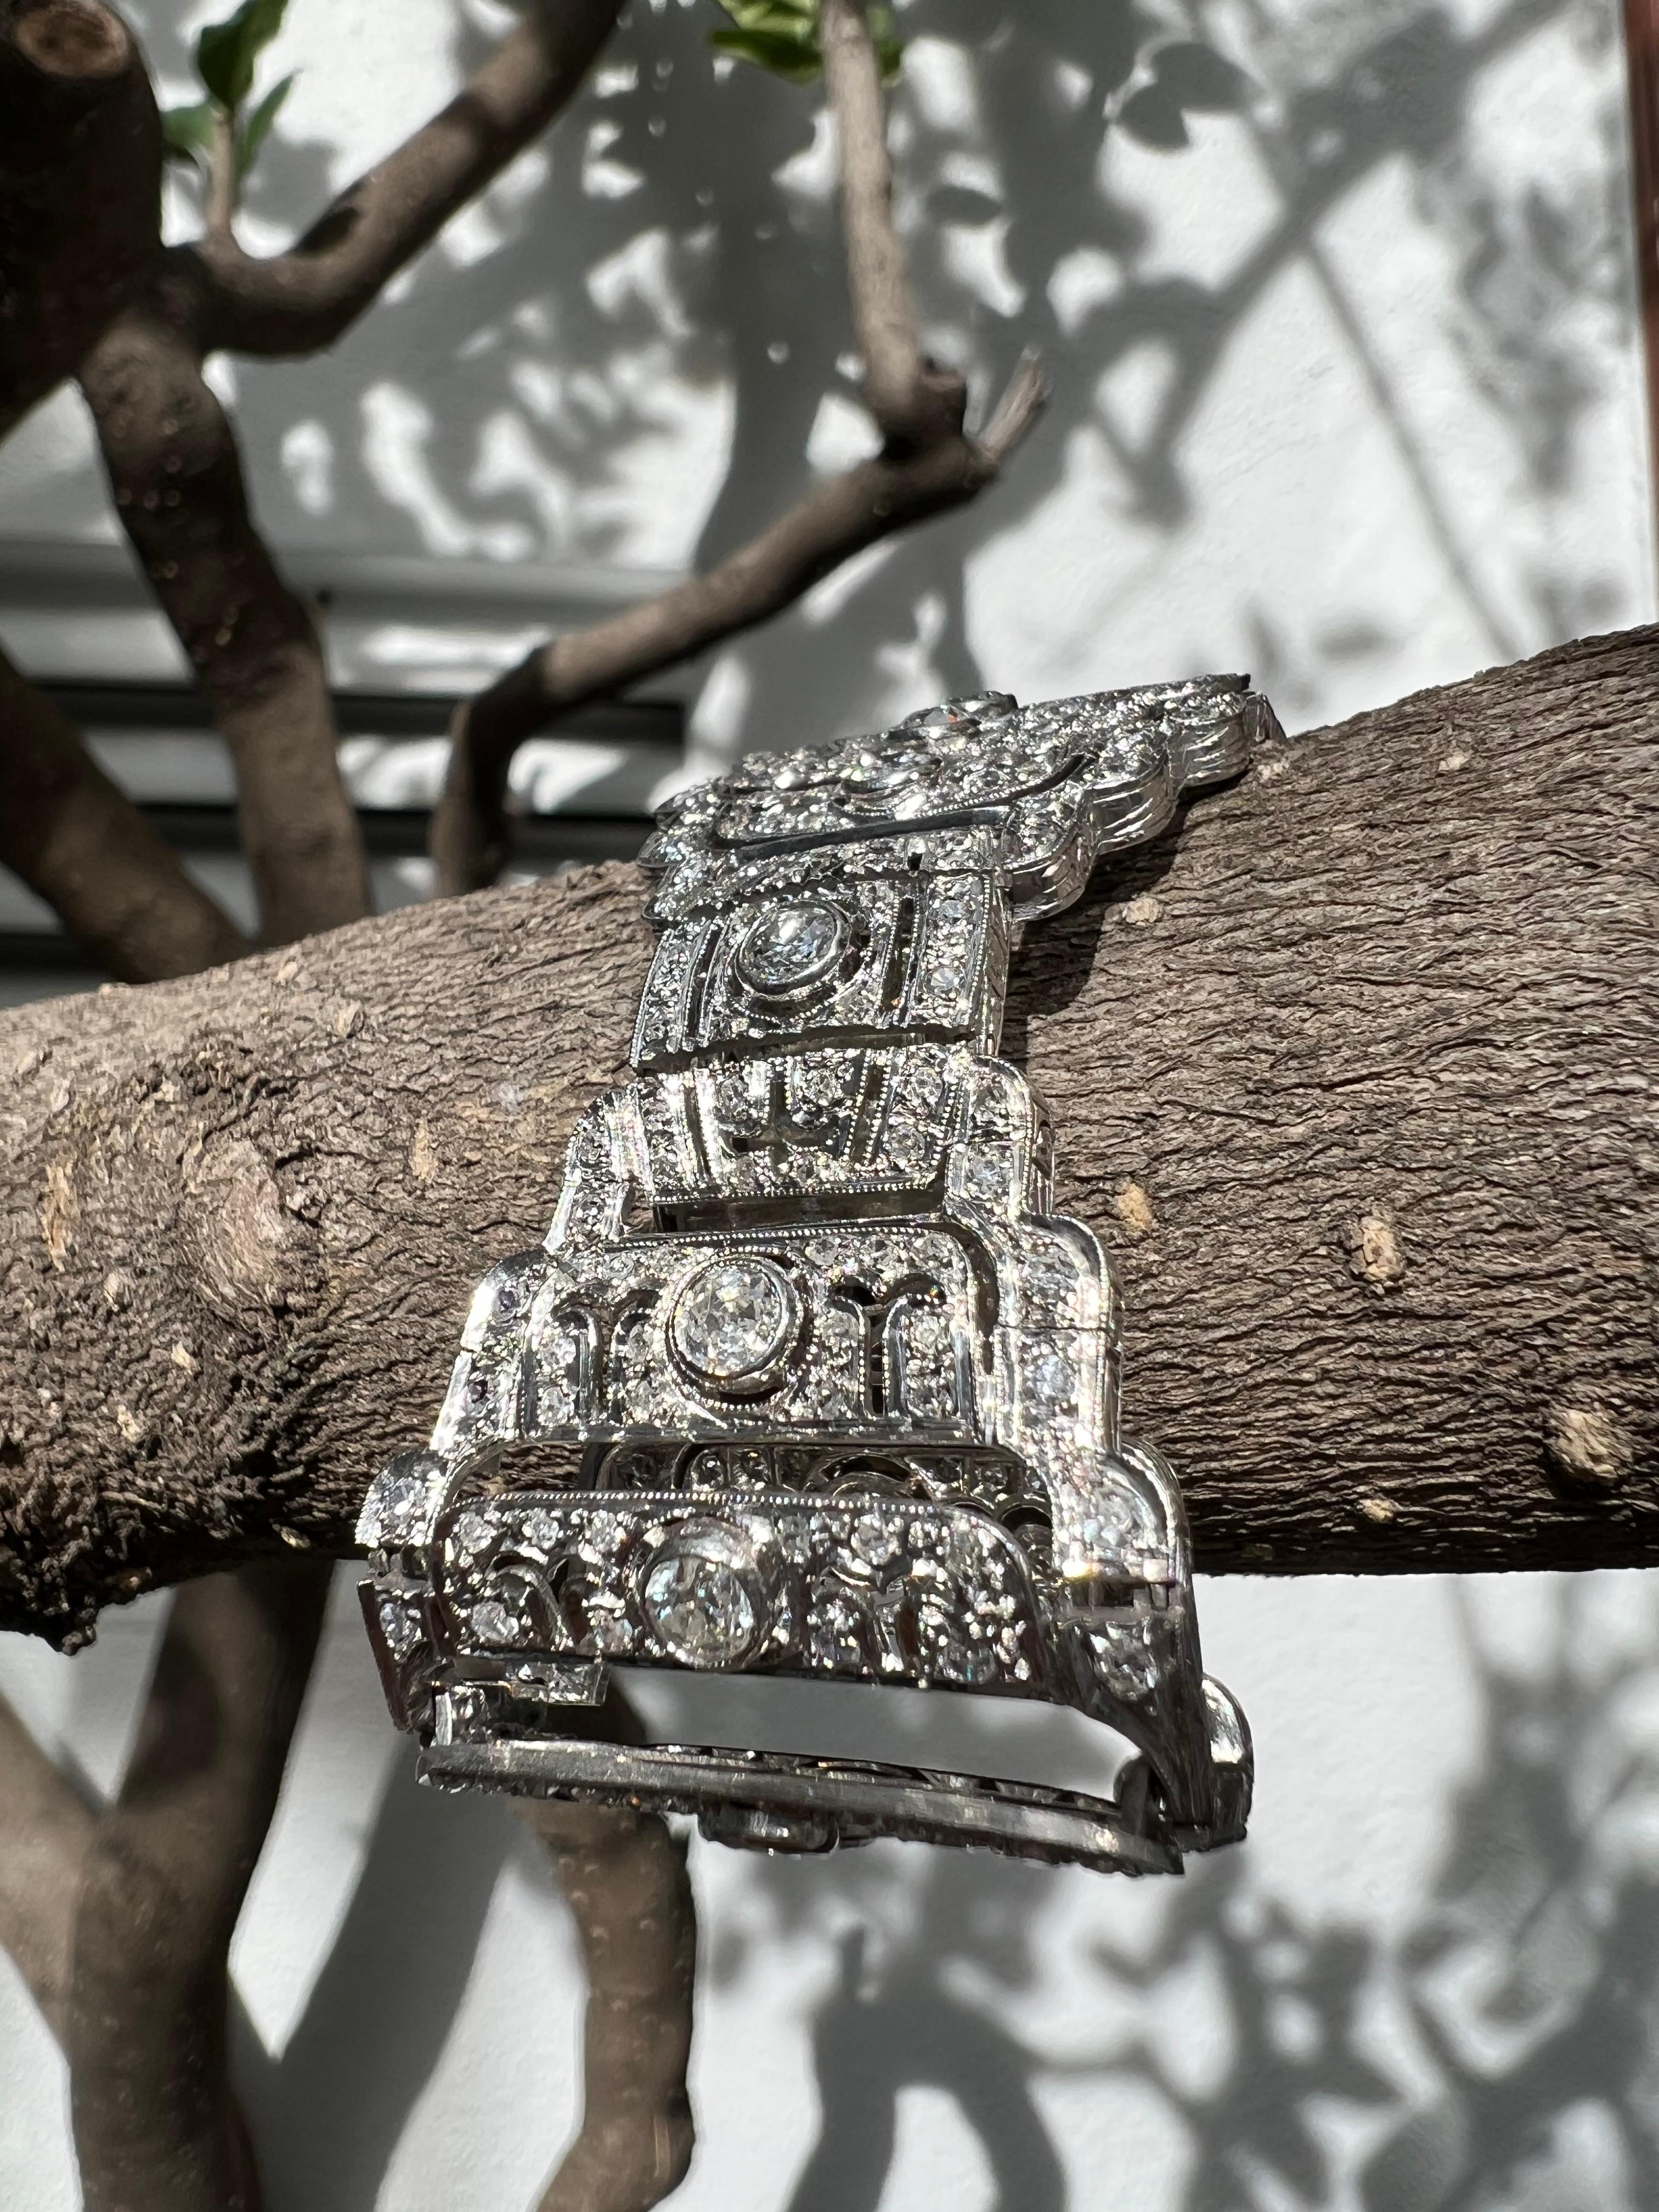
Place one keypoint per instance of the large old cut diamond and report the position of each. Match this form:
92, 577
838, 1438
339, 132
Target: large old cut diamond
703, 1597
733, 1320
791, 946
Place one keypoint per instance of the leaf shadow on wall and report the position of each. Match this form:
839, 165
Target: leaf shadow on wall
512, 405
1503, 2050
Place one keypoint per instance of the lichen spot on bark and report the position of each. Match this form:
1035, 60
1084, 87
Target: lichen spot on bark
60, 1213
423, 1157
1588, 1444
1133, 1208
1373, 1248
242, 1232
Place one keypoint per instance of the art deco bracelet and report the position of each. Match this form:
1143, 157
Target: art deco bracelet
806, 1380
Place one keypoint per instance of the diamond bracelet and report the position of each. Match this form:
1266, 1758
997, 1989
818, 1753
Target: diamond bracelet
806, 1379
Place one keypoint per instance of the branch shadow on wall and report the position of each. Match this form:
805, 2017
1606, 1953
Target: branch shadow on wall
329, 2112
502, 405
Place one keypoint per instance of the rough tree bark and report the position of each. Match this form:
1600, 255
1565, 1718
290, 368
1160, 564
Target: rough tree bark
1352, 1071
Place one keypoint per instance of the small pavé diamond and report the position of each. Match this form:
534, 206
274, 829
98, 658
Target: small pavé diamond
396, 1507
873, 1539
987, 1175
472, 1535
1049, 1381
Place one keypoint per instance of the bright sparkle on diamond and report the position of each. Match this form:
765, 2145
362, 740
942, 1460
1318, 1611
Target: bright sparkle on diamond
792, 945
733, 1319
700, 1607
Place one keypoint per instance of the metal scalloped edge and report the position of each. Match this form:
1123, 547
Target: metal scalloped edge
1217, 752
863, 1799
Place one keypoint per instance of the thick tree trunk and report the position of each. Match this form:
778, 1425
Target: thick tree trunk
1352, 1073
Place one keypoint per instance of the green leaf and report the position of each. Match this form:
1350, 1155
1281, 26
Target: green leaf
787, 17
786, 57
782, 36
227, 53
187, 131
254, 132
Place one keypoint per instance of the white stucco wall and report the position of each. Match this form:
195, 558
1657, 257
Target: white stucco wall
1413, 445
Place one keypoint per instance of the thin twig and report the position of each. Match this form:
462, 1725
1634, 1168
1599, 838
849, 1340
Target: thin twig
884, 312
1023, 398
221, 202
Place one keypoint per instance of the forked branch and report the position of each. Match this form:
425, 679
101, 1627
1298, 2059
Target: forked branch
928, 465
157, 2128
833, 522
301, 300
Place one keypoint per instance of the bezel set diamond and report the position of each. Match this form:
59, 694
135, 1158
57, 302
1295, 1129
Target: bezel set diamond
837, 1389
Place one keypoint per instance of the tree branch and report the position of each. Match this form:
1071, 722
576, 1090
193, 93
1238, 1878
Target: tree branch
78, 841
177, 478
913, 401
928, 465
154, 1885
219, 199
156, 2126
822, 531
299, 302
80, 187
45, 1829
624, 1879
1374, 1167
